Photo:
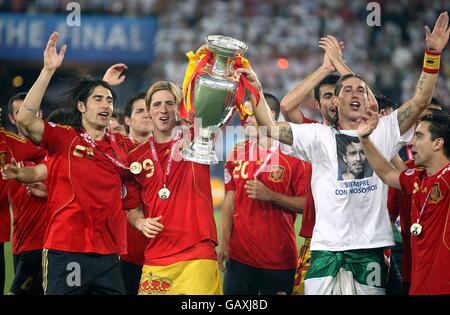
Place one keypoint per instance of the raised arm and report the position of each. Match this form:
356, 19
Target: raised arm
385, 170
291, 102
410, 111
114, 74
334, 51
27, 119
280, 131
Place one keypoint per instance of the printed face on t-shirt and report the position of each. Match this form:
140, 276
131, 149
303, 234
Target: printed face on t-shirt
352, 160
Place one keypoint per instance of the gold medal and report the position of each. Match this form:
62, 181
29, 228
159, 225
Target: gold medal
164, 193
135, 168
416, 229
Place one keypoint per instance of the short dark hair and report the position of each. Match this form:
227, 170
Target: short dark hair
274, 104
18, 96
330, 79
439, 128
345, 142
385, 102
60, 116
120, 117
129, 104
80, 93
339, 84
435, 101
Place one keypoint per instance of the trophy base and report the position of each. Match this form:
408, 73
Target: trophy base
200, 153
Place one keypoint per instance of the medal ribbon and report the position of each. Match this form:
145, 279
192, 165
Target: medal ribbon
87, 139
273, 148
163, 175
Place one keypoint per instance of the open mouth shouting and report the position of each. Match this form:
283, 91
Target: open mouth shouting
355, 105
104, 115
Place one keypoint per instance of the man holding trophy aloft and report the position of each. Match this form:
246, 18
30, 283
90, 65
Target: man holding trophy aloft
177, 214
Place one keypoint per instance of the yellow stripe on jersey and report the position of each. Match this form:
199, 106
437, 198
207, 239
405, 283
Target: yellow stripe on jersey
45, 270
14, 136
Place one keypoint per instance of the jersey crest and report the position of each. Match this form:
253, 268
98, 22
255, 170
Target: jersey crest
435, 193
277, 173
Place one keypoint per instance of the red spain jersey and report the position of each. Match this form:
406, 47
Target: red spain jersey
309, 211
136, 241
263, 234
12, 145
399, 204
85, 187
431, 248
29, 218
187, 215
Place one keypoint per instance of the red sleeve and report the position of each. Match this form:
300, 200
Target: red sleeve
24, 149
309, 211
309, 121
301, 177
392, 202
407, 179
125, 143
56, 137
132, 194
228, 176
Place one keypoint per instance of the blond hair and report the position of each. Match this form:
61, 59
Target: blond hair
162, 86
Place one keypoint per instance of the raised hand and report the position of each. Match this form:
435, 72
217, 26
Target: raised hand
251, 76
438, 39
333, 52
367, 124
114, 75
52, 59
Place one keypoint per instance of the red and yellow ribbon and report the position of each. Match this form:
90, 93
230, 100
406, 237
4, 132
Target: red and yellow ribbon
196, 62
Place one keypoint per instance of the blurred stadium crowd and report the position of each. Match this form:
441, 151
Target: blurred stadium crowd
283, 37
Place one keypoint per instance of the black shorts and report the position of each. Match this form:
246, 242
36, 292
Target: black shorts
81, 273
28, 273
131, 274
241, 279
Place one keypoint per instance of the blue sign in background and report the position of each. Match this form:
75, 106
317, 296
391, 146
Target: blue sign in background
98, 38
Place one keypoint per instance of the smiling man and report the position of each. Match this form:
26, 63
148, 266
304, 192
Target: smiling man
177, 215
86, 226
352, 223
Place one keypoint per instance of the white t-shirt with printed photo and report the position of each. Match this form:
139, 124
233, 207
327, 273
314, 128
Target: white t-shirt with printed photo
350, 213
